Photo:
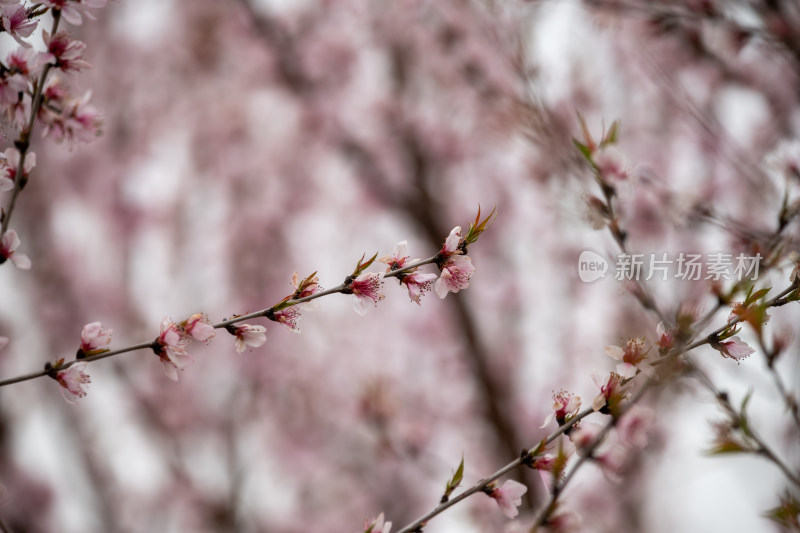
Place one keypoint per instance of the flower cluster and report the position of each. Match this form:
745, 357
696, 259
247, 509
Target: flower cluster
170, 345
416, 283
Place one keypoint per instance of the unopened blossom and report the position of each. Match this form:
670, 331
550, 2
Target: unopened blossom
733, 348
366, 291
170, 346
634, 426
611, 163
565, 406
94, 338
631, 355
8, 250
378, 525
289, 317
455, 275
305, 288
16, 22
64, 52
611, 393
72, 10
508, 497
248, 336
198, 327
452, 242
665, 340
73, 381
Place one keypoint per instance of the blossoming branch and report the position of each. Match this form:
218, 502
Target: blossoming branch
171, 344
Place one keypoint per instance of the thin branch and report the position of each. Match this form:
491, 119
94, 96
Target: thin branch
258, 314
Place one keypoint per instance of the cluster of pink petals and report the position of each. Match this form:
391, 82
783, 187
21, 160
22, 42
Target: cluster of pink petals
74, 120
417, 283
611, 391
366, 290
72, 10
563, 522
248, 336
94, 338
584, 436
733, 348
10, 165
631, 355
198, 327
378, 525
565, 405
16, 23
9, 243
289, 317
170, 346
633, 428
457, 269
64, 53
509, 497
73, 381
665, 338
611, 163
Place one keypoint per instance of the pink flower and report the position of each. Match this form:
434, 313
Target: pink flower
71, 10
198, 327
633, 354
563, 522
93, 337
584, 436
611, 393
378, 526
289, 317
73, 381
77, 120
11, 164
8, 246
63, 52
16, 22
366, 291
170, 347
565, 406
451, 243
509, 497
399, 259
455, 275
733, 348
610, 163
665, 339
417, 283
248, 336
634, 426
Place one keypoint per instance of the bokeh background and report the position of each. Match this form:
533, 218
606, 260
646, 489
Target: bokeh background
245, 141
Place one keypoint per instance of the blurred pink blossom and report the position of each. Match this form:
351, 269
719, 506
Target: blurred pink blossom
509, 497
72, 10
198, 327
8, 246
73, 381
